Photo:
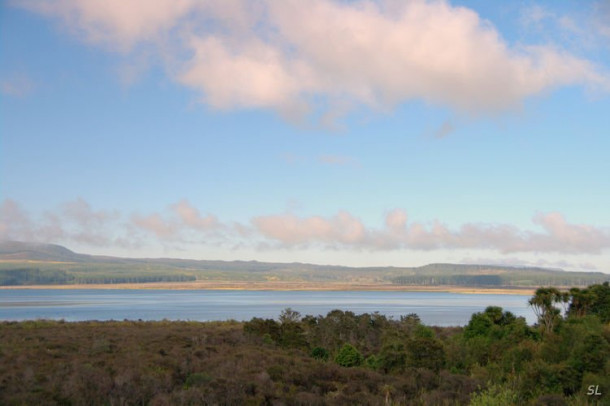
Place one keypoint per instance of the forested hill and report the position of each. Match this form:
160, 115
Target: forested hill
24, 263
493, 275
15, 250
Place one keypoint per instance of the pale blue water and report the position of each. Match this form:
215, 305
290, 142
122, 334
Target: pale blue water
441, 309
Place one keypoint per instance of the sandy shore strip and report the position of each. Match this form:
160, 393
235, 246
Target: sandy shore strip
287, 286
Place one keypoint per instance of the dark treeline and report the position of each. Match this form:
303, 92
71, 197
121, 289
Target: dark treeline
135, 279
506, 279
459, 280
339, 359
34, 276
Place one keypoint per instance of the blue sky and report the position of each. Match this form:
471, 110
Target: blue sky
356, 133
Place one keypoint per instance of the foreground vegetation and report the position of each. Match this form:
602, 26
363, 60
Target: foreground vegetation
340, 358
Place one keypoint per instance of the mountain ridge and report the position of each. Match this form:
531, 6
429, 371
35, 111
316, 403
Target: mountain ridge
30, 263
32, 251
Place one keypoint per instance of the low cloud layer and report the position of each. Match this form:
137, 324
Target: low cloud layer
557, 235
182, 223
179, 221
327, 56
74, 221
342, 229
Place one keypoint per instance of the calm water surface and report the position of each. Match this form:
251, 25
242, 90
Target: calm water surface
434, 308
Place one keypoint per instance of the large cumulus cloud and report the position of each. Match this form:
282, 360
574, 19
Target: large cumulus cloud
297, 57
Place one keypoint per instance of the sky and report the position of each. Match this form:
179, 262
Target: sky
333, 132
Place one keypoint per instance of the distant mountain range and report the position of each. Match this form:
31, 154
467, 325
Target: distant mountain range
24, 263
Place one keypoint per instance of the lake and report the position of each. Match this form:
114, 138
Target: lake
434, 308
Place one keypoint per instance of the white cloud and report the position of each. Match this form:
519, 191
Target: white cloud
72, 221
77, 222
534, 15
396, 221
337, 160
602, 17
346, 231
17, 85
181, 224
531, 262
254, 75
190, 216
579, 30
81, 212
298, 58
15, 223
444, 130
117, 24
562, 236
155, 224
343, 229
176, 223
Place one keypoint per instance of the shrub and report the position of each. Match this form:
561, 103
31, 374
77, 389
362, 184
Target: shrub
320, 353
197, 379
348, 356
494, 395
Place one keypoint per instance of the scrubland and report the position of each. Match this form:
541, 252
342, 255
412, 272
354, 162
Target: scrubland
339, 359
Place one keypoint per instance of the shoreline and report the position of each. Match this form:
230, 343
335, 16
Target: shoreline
284, 286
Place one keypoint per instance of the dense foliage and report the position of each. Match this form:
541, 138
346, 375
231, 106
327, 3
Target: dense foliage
340, 358
34, 276
494, 276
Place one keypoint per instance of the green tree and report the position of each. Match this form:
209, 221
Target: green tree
592, 354
581, 301
393, 357
424, 352
372, 362
260, 327
348, 356
543, 303
594, 299
289, 316
291, 332
320, 353
495, 395
479, 325
601, 304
